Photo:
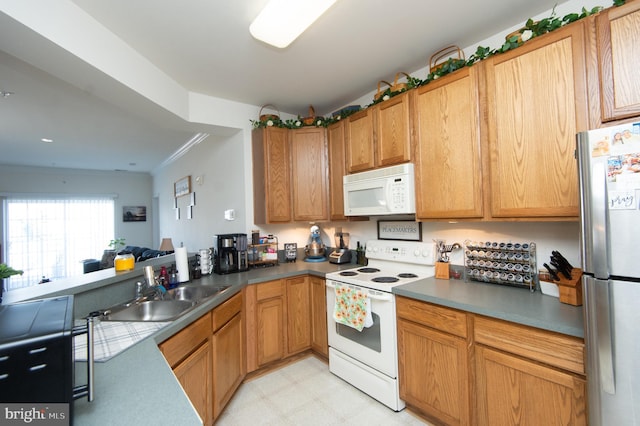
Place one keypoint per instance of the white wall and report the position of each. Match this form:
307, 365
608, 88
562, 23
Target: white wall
130, 189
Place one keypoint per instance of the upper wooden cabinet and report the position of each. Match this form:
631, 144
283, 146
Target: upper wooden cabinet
310, 174
379, 136
290, 175
618, 32
271, 175
337, 169
536, 100
448, 164
393, 131
359, 140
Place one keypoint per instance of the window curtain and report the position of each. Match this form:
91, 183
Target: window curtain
49, 238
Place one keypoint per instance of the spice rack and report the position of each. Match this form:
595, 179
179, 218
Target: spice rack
264, 253
505, 263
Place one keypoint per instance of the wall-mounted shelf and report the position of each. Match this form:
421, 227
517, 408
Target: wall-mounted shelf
263, 254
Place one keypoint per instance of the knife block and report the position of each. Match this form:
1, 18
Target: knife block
442, 270
571, 290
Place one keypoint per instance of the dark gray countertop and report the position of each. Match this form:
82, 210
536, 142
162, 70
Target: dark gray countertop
137, 387
507, 303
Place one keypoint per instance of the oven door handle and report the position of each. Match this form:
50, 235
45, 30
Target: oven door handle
374, 295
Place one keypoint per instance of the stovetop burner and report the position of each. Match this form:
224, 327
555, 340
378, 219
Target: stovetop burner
348, 273
368, 270
385, 279
407, 275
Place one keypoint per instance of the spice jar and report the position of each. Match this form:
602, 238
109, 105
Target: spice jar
124, 261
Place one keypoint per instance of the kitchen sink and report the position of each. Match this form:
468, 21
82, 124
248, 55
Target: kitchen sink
149, 310
174, 303
194, 293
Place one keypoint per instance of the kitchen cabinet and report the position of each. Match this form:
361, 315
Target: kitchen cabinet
298, 324
310, 174
433, 360
448, 160
528, 376
281, 319
228, 352
271, 175
536, 103
319, 339
337, 169
189, 355
380, 135
618, 29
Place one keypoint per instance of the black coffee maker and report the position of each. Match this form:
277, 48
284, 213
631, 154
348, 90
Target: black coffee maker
230, 253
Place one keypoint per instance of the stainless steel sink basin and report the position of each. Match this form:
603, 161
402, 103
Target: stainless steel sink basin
149, 310
194, 293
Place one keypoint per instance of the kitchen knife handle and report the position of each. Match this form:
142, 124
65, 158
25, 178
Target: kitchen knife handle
553, 273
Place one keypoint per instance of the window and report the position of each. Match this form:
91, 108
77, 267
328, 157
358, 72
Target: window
51, 237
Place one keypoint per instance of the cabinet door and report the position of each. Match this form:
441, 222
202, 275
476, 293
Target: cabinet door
319, 339
360, 142
298, 314
337, 169
271, 176
228, 362
310, 174
619, 59
270, 336
536, 99
393, 131
194, 374
434, 373
448, 156
511, 390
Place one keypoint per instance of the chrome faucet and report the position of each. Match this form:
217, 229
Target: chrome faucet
150, 290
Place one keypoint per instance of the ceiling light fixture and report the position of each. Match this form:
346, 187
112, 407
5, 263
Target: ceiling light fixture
47, 140
5, 94
282, 21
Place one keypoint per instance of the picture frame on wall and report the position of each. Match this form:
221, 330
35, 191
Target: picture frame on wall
134, 213
182, 187
403, 230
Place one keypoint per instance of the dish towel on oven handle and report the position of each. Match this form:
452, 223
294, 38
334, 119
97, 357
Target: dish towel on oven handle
353, 307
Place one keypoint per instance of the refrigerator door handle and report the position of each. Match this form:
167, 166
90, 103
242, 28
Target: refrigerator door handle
604, 334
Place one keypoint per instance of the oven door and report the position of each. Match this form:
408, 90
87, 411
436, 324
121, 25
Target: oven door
375, 346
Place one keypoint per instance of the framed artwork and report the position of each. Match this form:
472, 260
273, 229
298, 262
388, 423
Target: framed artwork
182, 187
134, 213
406, 230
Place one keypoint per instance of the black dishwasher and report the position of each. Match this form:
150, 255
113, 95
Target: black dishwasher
37, 353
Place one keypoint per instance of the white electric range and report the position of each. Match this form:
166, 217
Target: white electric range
373, 350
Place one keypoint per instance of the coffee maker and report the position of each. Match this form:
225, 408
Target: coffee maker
230, 253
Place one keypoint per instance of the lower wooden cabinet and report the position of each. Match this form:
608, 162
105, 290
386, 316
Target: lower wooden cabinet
433, 364
279, 319
207, 358
513, 390
458, 368
188, 352
319, 338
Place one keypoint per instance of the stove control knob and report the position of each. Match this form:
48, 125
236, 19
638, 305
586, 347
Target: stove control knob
416, 252
426, 253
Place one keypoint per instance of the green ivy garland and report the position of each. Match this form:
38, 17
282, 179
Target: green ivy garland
516, 39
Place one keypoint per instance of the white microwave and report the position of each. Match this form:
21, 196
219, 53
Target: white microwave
386, 191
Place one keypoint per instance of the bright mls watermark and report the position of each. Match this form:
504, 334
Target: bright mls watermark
40, 414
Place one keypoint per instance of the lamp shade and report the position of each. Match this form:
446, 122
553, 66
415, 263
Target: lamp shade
166, 245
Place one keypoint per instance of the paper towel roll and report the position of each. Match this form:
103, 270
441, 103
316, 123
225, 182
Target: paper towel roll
182, 264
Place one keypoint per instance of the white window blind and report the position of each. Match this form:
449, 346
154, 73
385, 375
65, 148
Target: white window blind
51, 237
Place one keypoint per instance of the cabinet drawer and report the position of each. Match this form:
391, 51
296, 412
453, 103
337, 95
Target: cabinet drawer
268, 290
554, 349
443, 319
181, 344
223, 313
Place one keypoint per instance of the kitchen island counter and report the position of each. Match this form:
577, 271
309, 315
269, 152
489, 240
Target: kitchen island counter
517, 305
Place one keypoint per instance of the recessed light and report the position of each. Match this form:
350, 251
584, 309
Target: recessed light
6, 93
46, 140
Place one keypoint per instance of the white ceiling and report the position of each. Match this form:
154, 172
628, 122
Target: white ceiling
206, 48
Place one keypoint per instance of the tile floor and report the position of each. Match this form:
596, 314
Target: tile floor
306, 393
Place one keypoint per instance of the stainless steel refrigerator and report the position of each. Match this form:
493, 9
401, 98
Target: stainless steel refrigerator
609, 171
